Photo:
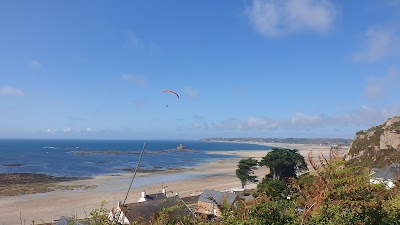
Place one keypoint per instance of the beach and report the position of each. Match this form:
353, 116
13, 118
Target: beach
77, 201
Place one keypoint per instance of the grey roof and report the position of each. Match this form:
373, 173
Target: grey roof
67, 221
218, 197
391, 172
157, 196
375, 170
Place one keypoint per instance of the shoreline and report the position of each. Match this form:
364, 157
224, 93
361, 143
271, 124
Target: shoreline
218, 175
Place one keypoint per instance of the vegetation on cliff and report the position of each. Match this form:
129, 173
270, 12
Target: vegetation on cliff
378, 146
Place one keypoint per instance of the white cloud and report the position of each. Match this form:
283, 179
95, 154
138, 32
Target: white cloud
10, 91
376, 46
276, 17
51, 131
258, 123
35, 65
378, 85
365, 116
138, 80
300, 118
67, 130
191, 92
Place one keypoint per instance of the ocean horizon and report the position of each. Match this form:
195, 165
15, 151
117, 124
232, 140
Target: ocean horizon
87, 158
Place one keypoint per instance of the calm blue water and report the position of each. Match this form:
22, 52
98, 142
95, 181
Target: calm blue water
85, 158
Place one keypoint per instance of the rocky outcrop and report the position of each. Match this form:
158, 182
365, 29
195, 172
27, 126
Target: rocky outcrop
378, 146
391, 135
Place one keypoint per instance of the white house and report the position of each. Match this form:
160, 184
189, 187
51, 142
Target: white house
386, 176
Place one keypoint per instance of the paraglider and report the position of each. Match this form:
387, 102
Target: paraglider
173, 92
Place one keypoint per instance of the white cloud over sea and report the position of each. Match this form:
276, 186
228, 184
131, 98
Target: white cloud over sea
275, 18
363, 116
67, 130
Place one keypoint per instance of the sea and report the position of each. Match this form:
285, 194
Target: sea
87, 158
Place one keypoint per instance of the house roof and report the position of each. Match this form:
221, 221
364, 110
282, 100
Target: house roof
144, 211
66, 221
375, 170
391, 172
157, 196
218, 197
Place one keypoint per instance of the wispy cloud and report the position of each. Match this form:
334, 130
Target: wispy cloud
377, 44
378, 85
68, 130
35, 65
51, 131
302, 119
275, 17
252, 123
10, 91
198, 125
135, 42
193, 93
137, 80
363, 116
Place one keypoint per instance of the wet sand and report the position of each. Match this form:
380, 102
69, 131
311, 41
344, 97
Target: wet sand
78, 201
30, 183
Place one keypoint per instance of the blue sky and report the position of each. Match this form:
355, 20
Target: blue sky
249, 68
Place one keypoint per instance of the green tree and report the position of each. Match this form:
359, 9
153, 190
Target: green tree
100, 216
273, 188
284, 163
245, 170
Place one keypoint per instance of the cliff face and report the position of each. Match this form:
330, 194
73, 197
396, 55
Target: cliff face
378, 146
391, 135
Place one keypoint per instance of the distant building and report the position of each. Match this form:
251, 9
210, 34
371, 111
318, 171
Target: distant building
211, 202
386, 176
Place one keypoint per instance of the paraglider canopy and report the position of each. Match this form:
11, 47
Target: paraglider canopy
173, 92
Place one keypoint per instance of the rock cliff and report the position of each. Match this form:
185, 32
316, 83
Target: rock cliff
378, 146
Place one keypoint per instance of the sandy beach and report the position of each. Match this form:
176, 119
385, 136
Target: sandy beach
216, 175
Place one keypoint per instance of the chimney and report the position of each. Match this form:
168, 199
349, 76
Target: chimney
143, 197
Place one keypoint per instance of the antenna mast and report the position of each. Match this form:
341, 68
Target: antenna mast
134, 175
